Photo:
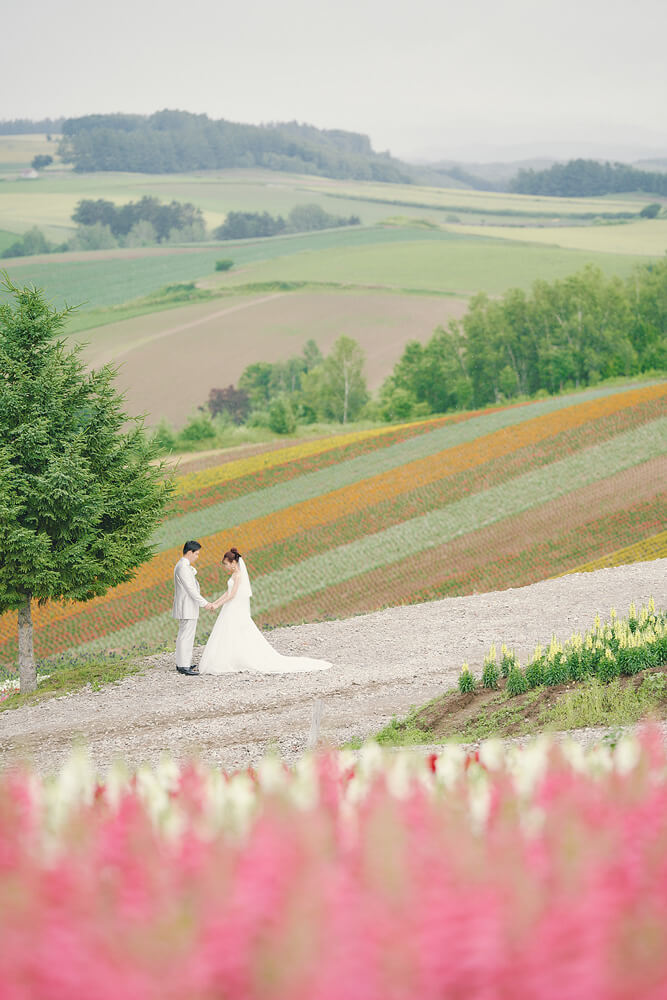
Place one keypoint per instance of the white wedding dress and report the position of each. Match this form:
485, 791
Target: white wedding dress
236, 644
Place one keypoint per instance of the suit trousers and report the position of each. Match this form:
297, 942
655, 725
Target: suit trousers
185, 640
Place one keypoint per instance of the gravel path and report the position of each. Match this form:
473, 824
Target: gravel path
383, 663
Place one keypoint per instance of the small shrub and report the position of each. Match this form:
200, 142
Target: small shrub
556, 671
608, 669
164, 436
516, 682
224, 265
490, 674
508, 660
281, 416
535, 673
467, 682
198, 429
575, 667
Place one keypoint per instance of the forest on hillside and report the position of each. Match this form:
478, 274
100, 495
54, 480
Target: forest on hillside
588, 178
176, 141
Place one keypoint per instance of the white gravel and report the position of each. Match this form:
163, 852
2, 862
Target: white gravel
383, 663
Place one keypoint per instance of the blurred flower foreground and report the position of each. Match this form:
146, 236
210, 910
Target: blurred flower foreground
538, 872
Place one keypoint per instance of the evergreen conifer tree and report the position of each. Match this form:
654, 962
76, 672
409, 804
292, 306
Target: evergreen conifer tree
79, 497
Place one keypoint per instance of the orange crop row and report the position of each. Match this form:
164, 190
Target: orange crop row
326, 508
513, 552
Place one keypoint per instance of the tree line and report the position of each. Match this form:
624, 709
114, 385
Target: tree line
25, 126
588, 178
558, 336
102, 225
174, 141
166, 220
301, 219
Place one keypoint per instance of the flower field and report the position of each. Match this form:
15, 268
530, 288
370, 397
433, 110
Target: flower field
654, 547
467, 502
507, 873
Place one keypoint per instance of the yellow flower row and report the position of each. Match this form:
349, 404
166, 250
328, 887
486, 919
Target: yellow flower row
281, 456
330, 507
654, 547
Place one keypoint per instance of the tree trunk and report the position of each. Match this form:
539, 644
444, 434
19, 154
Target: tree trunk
27, 671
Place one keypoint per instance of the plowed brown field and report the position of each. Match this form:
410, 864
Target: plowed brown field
170, 360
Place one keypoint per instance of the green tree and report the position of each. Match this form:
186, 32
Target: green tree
255, 380
142, 234
647, 298
281, 416
33, 241
40, 161
79, 495
95, 237
312, 355
344, 389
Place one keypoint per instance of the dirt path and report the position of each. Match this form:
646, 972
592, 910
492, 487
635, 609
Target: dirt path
383, 663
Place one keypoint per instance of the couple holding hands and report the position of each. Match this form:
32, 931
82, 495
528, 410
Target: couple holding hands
235, 644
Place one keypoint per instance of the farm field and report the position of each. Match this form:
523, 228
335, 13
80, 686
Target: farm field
50, 200
382, 286
653, 547
488, 500
16, 151
647, 236
225, 335
480, 201
111, 277
400, 258
457, 265
406, 270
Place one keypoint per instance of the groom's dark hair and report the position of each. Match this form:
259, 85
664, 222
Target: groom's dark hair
191, 547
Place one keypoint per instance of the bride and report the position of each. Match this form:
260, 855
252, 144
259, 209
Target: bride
236, 643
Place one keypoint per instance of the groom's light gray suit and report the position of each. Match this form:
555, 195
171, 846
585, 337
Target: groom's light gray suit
187, 602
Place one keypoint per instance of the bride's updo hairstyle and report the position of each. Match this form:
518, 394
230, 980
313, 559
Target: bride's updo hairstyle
231, 556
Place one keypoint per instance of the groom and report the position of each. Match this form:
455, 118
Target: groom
187, 602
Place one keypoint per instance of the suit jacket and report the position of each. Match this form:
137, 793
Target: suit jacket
187, 599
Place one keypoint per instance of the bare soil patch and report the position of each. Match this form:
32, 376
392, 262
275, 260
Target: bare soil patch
384, 663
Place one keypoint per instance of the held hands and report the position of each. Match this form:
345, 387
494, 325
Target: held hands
210, 607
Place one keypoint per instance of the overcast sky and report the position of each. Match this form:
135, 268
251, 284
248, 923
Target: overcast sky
422, 78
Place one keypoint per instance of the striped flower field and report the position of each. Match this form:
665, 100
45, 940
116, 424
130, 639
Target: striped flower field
467, 502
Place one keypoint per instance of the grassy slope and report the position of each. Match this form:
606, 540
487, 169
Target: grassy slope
106, 278
457, 265
459, 199
644, 237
